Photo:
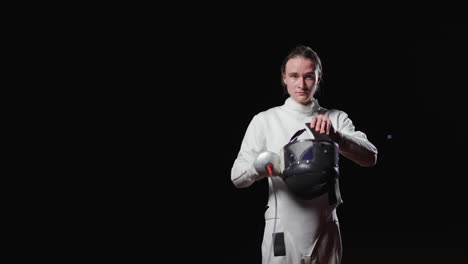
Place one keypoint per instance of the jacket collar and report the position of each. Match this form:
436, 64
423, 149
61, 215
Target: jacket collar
291, 105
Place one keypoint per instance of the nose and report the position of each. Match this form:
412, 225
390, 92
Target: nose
301, 83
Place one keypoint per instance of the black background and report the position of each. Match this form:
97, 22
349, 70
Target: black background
196, 88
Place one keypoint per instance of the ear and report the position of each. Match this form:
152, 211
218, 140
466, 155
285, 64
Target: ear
283, 78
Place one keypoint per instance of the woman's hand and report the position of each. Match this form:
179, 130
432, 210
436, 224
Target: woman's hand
323, 125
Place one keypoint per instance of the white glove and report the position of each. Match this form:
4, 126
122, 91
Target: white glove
267, 164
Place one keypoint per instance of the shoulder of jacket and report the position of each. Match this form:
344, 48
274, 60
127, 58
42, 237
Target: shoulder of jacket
333, 112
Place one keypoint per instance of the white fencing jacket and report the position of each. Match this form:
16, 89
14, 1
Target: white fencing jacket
272, 129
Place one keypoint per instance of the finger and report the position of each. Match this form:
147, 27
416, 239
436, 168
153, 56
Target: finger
312, 123
323, 127
318, 125
319, 120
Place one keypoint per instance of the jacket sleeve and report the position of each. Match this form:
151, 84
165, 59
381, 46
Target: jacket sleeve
354, 144
243, 173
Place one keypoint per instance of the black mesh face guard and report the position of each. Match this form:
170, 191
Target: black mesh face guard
310, 166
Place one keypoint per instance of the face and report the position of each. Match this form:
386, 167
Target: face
301, 79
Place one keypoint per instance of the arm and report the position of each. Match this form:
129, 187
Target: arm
353, 144
243, 173
356, 148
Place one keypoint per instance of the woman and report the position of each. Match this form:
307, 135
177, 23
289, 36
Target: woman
299, 230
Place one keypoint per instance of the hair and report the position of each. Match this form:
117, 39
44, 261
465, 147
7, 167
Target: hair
304, 52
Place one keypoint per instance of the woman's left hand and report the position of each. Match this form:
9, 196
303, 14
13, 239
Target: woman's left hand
323, 125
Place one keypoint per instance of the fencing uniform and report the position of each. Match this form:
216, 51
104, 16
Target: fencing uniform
310, 228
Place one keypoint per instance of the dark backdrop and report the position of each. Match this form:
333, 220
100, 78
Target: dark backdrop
403, 85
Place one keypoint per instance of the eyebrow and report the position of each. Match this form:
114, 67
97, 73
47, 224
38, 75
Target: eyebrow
291, 73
